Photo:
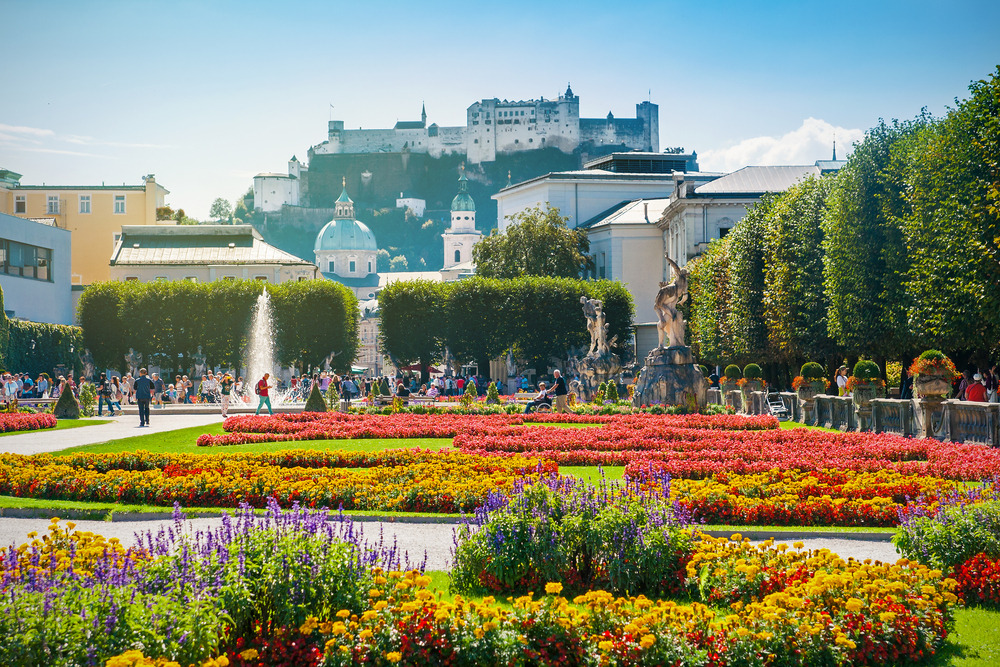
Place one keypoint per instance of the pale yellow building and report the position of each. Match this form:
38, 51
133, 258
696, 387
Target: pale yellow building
95, 214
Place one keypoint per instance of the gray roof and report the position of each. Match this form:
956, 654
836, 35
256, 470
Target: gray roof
629, 213
197, 244
758, 180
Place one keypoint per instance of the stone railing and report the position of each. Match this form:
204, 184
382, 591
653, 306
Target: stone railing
714, 396
835, 412
893, 416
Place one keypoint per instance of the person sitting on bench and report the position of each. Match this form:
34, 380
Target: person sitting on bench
541, 398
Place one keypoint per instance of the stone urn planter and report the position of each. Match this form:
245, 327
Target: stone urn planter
747, 388
862, 394
807, 393
933, 384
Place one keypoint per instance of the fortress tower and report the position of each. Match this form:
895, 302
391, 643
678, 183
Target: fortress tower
462, 235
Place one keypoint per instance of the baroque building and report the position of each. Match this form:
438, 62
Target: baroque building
462, 235
346, 251
495, 126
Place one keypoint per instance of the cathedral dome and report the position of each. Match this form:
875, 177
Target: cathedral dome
340, 234
463, 200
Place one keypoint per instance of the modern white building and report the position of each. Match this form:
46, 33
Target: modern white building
271, 190
203, 253
35, 270
346, 250
415, 204
704, 207
462, 235
603, 183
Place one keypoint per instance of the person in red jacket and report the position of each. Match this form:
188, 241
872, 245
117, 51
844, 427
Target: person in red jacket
263, 389
976, 391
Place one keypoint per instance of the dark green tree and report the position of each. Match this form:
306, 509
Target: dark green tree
411, 326
221, 210
477, 328
746, 276
708, 321
315, 318
101, 318
537, 243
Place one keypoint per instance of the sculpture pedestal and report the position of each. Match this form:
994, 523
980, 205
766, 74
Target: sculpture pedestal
595, 370
670, 377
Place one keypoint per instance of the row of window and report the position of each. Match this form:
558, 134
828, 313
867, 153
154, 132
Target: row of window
504, 114
27, 261
194, 279
54, 204
352, 266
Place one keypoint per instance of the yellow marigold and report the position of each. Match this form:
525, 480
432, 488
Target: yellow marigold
249, 654
365, 634
553, 588
887, 617
343, 613
854, 604
393, 656
647, 641
605, 645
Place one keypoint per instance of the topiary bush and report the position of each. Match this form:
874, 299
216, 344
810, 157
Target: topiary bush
88, 399
733, 372
932, 355
67, 407
315, 402
752, 372
867, 370
612, 394
492, 395
812, 371
333, 397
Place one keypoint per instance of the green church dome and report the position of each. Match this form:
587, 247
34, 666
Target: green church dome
339, 234
463, 200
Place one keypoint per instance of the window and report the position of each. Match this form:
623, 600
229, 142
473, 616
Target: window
27, 261
53, 204
160, 278
191, 279
458, 256
229, 277
84, 203
119, 204
332, 269
20, 204
369, 266
352, 267
723, 231
260, 278
131, 279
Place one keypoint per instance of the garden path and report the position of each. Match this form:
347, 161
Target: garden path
124, 426
414, 538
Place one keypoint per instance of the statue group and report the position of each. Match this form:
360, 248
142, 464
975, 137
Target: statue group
670, 375
600, 364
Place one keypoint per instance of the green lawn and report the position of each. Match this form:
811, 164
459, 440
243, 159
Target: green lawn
62, 425
813, 428
975, 641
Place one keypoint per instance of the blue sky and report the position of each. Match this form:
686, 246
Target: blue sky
205, 95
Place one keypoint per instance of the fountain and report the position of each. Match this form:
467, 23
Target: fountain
260, 352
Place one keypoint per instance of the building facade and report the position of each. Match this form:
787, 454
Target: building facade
346, 251
203, 253
493, 127
94, 214
272, 190
35, 270
462, 235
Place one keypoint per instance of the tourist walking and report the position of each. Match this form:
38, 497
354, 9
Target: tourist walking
560, 390
104, 395
226, 388
142, 387
263, 389
116, 393
158, 389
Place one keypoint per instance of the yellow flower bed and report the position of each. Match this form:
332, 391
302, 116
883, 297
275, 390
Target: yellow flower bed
400, 480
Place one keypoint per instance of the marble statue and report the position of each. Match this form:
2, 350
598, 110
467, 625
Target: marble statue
600, 364
670, 326
200, 367
593, 310
511, 365
133, 360
87, 362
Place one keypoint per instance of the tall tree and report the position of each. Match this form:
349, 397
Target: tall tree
477, 325
746, 276
411, 322
795, 304
708, 320
953, 228
537, 243
221, 210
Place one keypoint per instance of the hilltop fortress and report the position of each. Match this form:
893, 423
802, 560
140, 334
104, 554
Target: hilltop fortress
500, 127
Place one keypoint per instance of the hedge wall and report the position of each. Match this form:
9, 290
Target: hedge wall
54, 345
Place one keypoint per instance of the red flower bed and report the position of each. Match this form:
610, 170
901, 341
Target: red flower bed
979, 580
19, 421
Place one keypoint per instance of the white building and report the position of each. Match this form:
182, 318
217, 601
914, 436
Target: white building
346, 250
495, 126
203, 253
462, 235
603, 183
415, 204
704, 207
271, 190
35, 270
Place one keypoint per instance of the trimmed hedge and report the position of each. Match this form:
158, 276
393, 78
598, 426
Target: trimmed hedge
867, 370
733, 372
812, 371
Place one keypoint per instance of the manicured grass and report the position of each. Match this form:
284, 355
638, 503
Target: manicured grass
974, 642
62, 425
592, 474
812, 428
183, 441
791, 530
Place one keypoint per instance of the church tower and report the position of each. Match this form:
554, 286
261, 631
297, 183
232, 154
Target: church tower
462, 235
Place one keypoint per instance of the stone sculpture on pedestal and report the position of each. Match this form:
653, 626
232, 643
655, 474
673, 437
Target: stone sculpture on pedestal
600, 364
133, 361
670, 375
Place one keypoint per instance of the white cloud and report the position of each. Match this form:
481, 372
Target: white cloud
811, 141
23, 130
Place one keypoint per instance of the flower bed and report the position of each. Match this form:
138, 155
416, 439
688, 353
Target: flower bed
399, 480
338, 426
20, 421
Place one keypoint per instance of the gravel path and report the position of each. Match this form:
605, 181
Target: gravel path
415, 538
124, 426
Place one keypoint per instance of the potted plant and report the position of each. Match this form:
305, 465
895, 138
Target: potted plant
810, 381
731, 378
753, 379
932, 374
865, 383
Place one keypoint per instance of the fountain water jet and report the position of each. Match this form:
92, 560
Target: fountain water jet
260, 351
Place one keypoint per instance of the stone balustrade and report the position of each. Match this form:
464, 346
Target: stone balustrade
835, 412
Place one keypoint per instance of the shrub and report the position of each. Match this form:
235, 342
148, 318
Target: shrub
752, 372
470, 395
492, 395
612, 394
951, 533
333, 397
584, 536
812, 371
67, 407
88, 399
733, 372
867, 370
315, 402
